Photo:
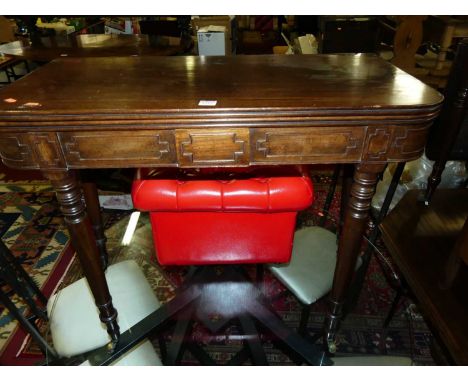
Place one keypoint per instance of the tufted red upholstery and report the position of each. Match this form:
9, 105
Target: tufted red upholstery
223, 217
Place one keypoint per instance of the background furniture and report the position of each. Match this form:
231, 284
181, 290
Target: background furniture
377, 114
445, 29
7, 64
429, 241
420, 239
422, 44
447, 139
348, 34
452, 125
87, 45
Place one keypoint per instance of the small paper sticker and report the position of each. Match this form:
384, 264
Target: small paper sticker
207, 102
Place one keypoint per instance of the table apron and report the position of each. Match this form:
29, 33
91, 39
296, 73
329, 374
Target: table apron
212, 147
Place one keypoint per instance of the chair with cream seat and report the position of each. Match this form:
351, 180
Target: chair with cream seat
74, 319
309, 274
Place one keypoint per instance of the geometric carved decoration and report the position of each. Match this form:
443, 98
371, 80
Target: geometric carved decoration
377, 143
46, 150
395, 143
203, 147
307, 144
409, 142
15, 151
118, 148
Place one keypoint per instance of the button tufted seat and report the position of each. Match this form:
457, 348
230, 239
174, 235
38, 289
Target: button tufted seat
226, 217
230, 218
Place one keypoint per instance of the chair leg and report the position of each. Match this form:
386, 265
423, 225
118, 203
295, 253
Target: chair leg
8, 257
28, 326
19, 286
260, 277
393, 308
311, 353
155, 321
254, 345
162, 349
239, 358
26, 66
330, 195
305, 314
182, 329
201, 355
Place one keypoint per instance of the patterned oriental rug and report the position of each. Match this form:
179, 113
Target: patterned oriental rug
31, 225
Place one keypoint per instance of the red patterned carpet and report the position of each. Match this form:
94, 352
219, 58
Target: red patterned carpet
32, 227
361, 332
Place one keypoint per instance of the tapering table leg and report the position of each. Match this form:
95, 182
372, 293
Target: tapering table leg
70, 198
94, 212
355, 220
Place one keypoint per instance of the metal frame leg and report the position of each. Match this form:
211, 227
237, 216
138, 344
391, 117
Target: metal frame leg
28, 326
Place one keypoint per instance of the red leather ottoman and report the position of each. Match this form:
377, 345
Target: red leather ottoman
223, 216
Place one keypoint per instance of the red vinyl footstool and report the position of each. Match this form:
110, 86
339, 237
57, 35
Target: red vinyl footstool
223, 216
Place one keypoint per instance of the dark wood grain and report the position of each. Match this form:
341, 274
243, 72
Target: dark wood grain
70, 198
420, 239
148, 87
93, 208
355, 219
81, 113
87, 45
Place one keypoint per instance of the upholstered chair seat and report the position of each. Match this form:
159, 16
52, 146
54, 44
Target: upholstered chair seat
309, 274
74, 318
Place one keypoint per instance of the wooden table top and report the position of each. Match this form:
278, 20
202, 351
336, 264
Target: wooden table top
110, 87
88, 45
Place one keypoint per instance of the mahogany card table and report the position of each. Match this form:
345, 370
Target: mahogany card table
114, 112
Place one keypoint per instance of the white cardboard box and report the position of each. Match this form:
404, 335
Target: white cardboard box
211, 41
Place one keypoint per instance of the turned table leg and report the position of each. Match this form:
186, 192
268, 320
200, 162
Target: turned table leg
70, 198
94, 211
355, 220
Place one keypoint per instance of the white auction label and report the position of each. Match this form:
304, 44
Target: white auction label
207, 102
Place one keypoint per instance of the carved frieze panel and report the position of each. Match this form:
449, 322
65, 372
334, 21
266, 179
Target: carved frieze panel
306, 144
118, 148
15, 151
46, 150
395, 143
409, 143
378, 142
219, 147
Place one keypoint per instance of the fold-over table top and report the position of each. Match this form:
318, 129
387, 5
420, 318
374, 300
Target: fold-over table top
216, 87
